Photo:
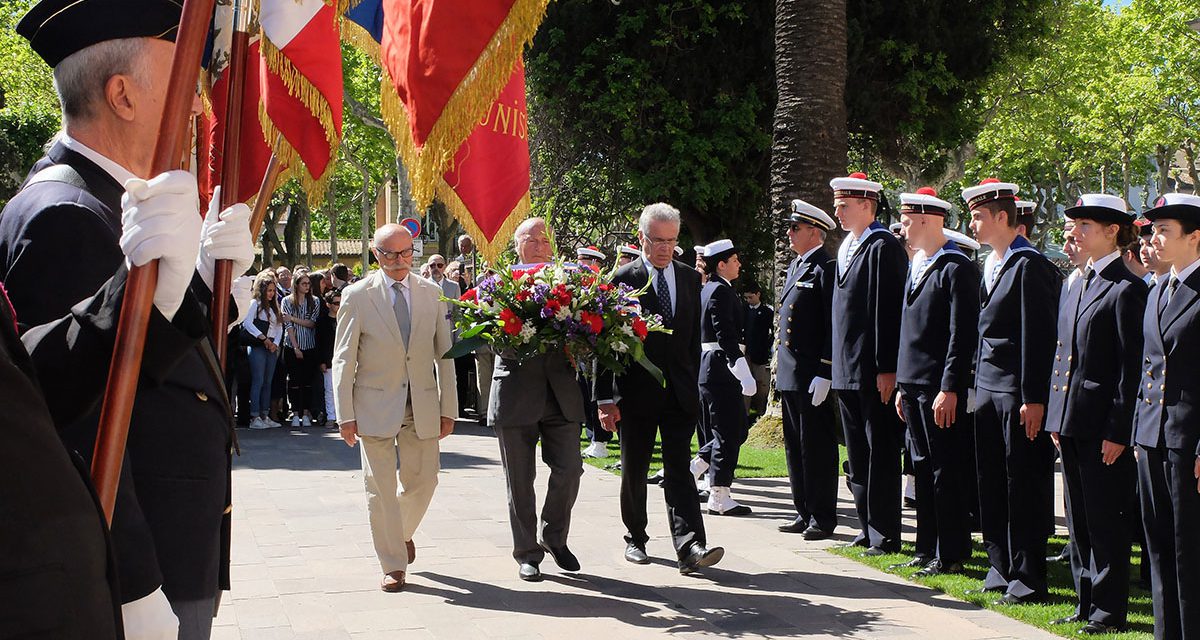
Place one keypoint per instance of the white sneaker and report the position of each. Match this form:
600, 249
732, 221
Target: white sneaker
295, 422
698, 466
257, 423
596, 450
306, 421
271, 424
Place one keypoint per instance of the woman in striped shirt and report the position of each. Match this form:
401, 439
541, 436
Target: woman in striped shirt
300, 311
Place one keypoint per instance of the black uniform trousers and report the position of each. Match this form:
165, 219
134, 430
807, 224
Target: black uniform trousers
723, 412
943, 529
1171, 514
810, 443
639, 425
1099, 498
874, 443
591, 418
1014, 475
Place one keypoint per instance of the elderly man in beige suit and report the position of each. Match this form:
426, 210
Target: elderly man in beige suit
395, 392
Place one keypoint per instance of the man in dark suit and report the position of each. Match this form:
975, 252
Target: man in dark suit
1167, 437
938, 326
802, 374
58, 575
756, 335
644, 407
1090, 413
538, 399
866, 300
1014, 455
59, 243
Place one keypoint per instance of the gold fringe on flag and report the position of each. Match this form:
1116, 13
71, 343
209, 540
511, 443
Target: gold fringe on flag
315, 187
489, 249
473, 96
354, 35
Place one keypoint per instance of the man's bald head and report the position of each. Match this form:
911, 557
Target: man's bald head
393, 248
532, 242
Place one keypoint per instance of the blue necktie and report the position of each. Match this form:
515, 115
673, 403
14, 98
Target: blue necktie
664, 296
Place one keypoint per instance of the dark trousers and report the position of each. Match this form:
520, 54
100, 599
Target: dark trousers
591, 419
724, 412
1171, 514
938, 465
279, 387
810, 443
639, 425
1014, 475
467, 395
300, 375
874, 439
560, 452
1099, 499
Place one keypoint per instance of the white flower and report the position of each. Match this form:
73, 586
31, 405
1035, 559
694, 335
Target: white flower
527, 332
627, 329
620, 346
563, 313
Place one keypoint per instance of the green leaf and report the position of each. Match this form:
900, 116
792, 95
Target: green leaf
464, 346
472, 332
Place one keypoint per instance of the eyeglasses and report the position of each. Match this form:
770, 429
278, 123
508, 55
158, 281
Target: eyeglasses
662, 241
793, 227
436, 265
392, 255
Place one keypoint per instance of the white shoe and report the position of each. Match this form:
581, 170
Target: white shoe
702, 483
596, 450
306, 421
257, 423
721, 504
271, 424
698, 466
295, 422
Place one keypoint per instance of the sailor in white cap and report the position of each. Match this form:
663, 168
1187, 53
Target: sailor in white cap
802, 373
678, 251
724, 376
1093, 396
1168, 459
627, 253
938, 325
1026, 218
964, 241
866, 337
1014, 456
699, 263
590, 257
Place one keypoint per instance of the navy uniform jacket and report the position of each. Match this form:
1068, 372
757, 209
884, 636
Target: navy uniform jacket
677, 354
866, 304
1017, 326
756, 333
940, 323
720, 324
58, 245
805, 334
1093, 386
1169, 410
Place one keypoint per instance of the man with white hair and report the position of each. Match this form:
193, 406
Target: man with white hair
646, 407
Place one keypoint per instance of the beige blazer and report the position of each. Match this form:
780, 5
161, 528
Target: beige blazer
374, 375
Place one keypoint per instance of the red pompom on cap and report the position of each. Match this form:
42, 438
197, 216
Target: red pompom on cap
858, 175
927, 191
989, 181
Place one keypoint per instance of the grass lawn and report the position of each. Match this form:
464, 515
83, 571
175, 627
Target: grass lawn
753, 461
1062, 591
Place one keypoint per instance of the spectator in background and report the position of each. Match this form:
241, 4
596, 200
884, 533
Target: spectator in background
300, 312
464, 365
320, 284
279, 403
265, 324
325, 332
283, 281
760, 320
466, 250
425, 271
340, 276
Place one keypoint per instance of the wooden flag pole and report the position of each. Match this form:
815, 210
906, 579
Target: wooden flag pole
271, 180
230, 171
126, 363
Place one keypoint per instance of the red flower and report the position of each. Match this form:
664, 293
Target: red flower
594, 321
523, 295
605, 287
560, 291
639, 328
553, 306
469, 295
512, 323
517, 274
587, 281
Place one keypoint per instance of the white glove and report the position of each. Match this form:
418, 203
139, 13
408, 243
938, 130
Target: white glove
971, 400
819, 388
151, 617
160, 219
242, 291
226, 236
741, 371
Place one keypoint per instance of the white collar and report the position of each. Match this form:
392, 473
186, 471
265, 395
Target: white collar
755, 306
808, 253
118, 173
653, 269
1187, 271
388, 281
1102, 263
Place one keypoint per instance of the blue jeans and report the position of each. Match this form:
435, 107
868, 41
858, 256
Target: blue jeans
262, 371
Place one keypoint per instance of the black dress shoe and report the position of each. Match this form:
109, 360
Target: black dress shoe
816, 533
1012, 599
699, 557
740, 510
529, 572
1071, 619
654, 479
878, 551
795, 526
918, 561
1063, 556
562, 557
937, 568
1097, 628
636, 554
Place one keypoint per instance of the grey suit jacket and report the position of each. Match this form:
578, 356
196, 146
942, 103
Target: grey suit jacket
519, 390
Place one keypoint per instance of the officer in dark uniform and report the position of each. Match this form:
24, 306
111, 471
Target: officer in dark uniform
724, 375
938, 335
802, 374
1168, 435
58, 244
1014, 455
1090, 414
757, 329
866, 301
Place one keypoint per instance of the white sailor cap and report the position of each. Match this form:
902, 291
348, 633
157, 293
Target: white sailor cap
1025, 207
925, 200
719, 250
961, 239
808, 214
1175, 206
629, 250
989, 190
895, 228
699, 249
855, 185
1101, 207
678, 251
589, 252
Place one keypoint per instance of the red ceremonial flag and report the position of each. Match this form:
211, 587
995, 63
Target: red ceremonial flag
301, 74
487, 186
444, 62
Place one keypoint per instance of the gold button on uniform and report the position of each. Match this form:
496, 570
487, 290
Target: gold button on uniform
201, 396
1056, 387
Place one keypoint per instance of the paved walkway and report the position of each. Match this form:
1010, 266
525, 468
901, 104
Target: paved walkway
304, 567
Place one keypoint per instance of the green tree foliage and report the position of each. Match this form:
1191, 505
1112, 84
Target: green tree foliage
28, 105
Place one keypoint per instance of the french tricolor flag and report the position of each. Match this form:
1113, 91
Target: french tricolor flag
301, 73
